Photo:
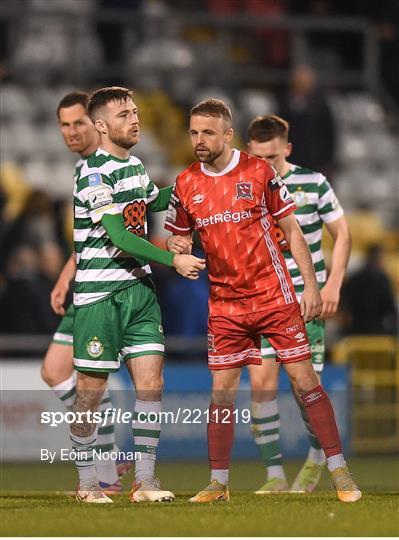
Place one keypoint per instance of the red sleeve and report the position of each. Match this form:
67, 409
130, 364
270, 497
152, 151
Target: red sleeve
278, 199
177, 218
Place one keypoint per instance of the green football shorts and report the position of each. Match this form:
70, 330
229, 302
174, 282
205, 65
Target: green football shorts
64, 332
124, 325
316, 334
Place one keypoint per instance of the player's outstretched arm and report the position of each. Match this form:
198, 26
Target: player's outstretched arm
186, 265
179, 244
162, 201
340, 233
311, 303
61, 288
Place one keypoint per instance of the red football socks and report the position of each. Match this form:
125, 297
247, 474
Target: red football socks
220, 435
322, 420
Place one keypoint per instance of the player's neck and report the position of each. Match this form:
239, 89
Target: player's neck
90, 150
221, 162
114, 149
285, 169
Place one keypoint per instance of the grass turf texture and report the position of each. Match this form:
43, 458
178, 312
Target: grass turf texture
28, 508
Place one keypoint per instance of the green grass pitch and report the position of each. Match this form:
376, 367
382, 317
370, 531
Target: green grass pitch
30, 505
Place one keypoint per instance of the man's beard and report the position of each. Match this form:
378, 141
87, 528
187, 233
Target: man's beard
125, 142
208, 157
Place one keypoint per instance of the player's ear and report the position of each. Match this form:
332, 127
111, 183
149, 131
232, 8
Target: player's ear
288, 150
229, 134
101, 126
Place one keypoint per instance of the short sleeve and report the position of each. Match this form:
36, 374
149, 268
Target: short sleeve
95, 192
278, 199
177, 218
152, 191
328, 206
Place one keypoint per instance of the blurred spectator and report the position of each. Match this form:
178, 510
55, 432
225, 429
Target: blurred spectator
312, 129
35, 227
367, 298
24, 301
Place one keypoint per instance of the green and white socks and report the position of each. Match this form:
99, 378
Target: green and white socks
104, 434
66, 391
85, 463
146, 428
106, 468
266, 432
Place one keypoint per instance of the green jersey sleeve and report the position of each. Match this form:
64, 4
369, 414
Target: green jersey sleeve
328, 207
133, 244
162, 201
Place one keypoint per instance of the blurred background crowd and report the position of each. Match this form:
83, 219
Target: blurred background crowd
329, 67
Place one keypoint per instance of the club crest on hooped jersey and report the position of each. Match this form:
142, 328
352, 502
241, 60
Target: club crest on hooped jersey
244, 190
300, 197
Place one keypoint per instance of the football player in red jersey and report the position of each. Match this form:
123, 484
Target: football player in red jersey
231, 199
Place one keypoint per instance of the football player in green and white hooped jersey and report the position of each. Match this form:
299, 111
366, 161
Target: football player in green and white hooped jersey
57, 371
117, 316
317, 205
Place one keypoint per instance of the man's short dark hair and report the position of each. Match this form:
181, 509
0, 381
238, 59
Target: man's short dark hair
71, 99
103, 96
266, 128
212, 107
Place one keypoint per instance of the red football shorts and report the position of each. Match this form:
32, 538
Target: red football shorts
234, 341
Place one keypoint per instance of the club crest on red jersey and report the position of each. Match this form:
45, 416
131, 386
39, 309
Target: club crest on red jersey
244, 190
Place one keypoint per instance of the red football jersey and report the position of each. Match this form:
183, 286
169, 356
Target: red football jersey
233, 212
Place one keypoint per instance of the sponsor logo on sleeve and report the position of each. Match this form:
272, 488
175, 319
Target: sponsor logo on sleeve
276, 183
143, 180
285, 195
174, 204
334, 203
171, 214
95, 179
100, 197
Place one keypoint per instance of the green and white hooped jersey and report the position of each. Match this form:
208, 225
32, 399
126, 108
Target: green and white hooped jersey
316, 204
108, 185
78, 168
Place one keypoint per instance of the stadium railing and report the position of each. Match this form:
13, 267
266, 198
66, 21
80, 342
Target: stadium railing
374, 364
